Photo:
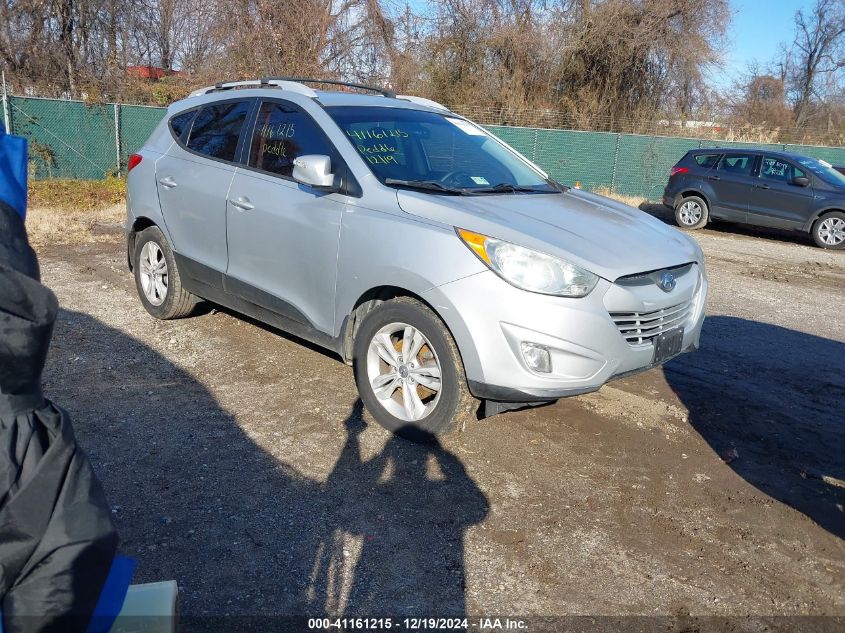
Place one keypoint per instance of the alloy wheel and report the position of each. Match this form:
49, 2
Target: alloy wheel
832, 231
404, 371
690, 212
153, 273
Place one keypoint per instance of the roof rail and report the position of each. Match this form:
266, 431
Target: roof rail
383, 91
423, 101
257, 83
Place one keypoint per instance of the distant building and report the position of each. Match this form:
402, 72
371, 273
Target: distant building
153, 73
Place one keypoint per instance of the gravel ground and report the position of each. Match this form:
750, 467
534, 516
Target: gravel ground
238, 461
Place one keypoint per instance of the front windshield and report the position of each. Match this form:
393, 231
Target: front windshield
414, 148
823, 170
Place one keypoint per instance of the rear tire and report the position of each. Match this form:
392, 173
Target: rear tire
691, 213
157, 277
423, 394
829, 230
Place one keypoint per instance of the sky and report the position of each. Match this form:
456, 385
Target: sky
756, 32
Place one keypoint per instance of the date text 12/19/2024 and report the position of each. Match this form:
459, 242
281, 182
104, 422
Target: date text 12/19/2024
416, 624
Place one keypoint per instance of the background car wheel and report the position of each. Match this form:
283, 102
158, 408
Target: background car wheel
157, 278
409, 372
691, 213
829, 230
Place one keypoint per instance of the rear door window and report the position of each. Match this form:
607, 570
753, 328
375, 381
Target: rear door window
707, 160
282, 133
217, 128
739, 164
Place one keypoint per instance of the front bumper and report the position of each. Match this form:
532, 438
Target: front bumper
490, 319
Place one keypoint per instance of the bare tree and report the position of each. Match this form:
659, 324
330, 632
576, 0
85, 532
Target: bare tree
759, 99
818, 52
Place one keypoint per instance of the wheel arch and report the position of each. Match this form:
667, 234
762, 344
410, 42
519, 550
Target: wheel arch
139, 224
695, 192
808, 227
363, 306
374, 297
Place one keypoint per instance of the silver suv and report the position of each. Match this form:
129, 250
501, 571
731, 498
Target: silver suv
446, 268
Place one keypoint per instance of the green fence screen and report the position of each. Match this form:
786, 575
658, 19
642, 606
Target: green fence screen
71, 139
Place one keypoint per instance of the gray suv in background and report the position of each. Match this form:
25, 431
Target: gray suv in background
446, 268
762, 188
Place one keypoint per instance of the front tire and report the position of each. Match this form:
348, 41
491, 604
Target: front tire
409, 373
157, 277
829, 230
691, 213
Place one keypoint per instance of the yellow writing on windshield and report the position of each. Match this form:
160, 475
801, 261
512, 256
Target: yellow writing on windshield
380, 148
377, 133
381, 159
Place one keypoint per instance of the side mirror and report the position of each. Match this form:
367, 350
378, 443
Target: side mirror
801, 181
314, 170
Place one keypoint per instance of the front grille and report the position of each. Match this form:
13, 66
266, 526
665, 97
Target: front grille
640, 327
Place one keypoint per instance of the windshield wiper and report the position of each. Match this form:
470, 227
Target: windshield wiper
509, 187
424, 185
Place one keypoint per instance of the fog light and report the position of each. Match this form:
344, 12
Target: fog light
537, 357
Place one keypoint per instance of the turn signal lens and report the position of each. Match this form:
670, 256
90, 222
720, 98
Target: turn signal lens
476, 242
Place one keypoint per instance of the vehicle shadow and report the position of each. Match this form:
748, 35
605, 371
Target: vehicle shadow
664, 213
244, 533
770, 402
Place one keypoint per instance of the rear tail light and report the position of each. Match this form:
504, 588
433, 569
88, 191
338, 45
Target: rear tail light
678, 170
134, 161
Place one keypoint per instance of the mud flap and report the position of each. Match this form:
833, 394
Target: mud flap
494, 407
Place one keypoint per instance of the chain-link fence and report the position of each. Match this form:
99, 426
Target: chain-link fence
722, 130
72, 139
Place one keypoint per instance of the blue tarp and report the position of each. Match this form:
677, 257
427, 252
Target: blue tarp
13, 166
113, 595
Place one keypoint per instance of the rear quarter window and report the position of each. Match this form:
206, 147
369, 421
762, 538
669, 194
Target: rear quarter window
181, 122
707, 160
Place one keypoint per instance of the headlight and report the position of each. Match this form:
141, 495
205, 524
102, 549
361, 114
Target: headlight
529, 269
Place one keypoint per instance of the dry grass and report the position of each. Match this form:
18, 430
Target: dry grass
83, 195
75, 211
634, 201
49, 225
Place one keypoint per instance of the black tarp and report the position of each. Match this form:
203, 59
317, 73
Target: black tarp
57, 540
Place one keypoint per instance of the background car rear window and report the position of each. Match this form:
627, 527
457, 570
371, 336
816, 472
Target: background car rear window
707, 160
216, 129
281, 134
180, 123
736, 163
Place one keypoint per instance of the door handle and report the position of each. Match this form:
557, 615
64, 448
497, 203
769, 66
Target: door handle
242, 203
763, 186
713, 178
167, 182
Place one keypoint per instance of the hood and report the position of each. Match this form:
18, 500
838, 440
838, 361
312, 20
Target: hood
601, 235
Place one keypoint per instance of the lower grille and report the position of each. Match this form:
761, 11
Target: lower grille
640, 327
